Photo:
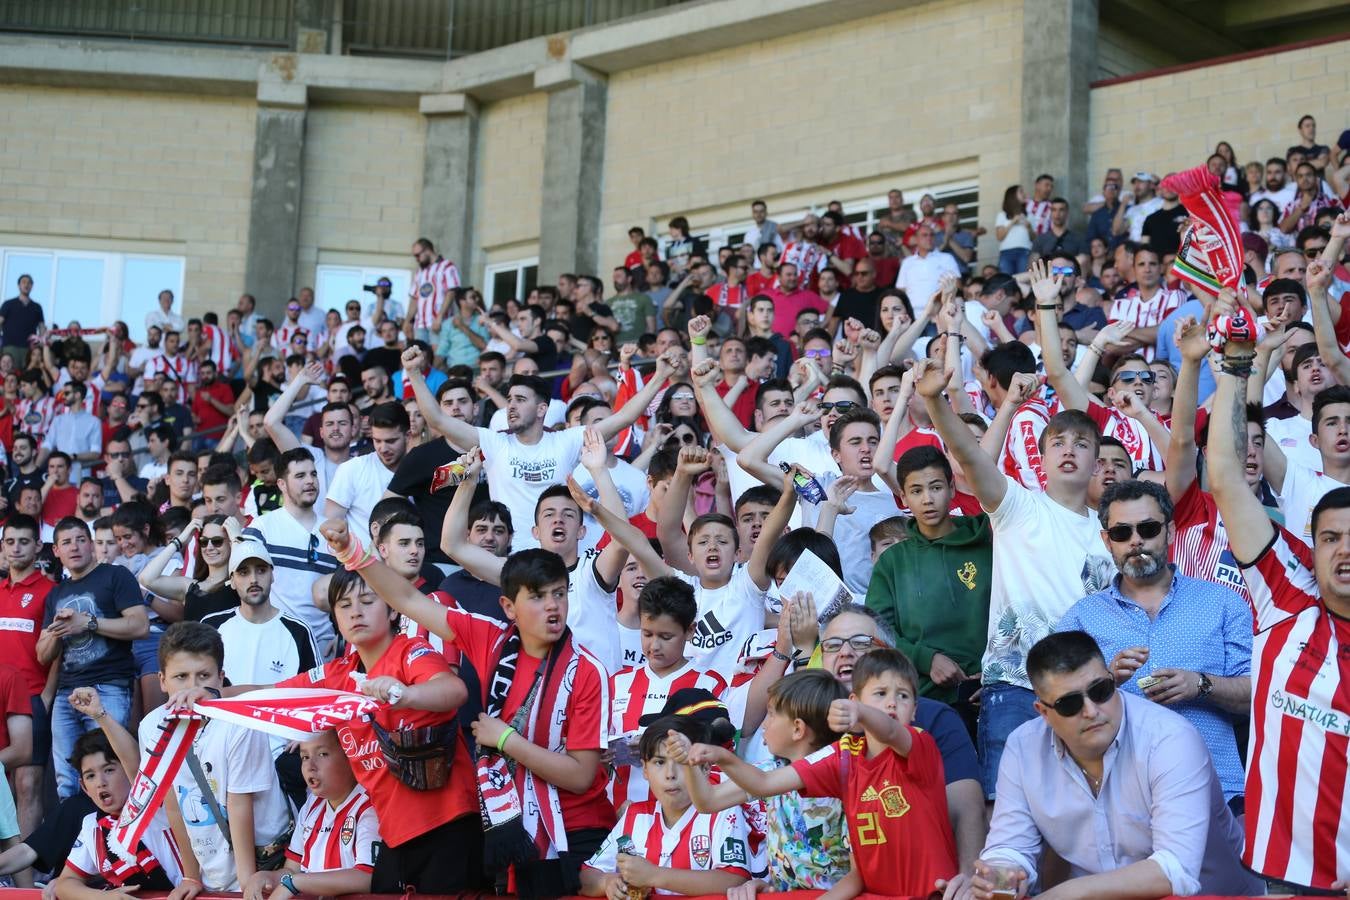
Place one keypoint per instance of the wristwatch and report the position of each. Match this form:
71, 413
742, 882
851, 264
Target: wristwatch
93, 624
1206, 686
289, 884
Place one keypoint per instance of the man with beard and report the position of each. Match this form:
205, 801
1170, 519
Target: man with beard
1179, 641
24, 468
336, 428
358, 484
89, 501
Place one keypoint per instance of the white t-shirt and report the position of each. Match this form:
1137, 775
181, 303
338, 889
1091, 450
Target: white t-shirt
236, 760
590, 614
812, 452
267, 652
358, 484
1137, 213
727, 617
299, 556
850, 532
630, 647
140, 359
1046, 558
325, 470
518, 473
1292, 435
555, 415
1303, 487
920, 275
1018, 237
158, 839
631, 483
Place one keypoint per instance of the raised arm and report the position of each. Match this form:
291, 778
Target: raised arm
1318, 280
1020, 390
989, 484
898, 344
1070, 391
395, 590
693, 461
274, 420
595, 457
1227, 450
152, 577
621, 530
637, 405
754, 457
722, 422
774, 525
896, 427
1181, 449
461, 434
480, 563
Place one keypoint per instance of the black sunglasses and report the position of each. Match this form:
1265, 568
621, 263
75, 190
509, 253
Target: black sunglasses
1148, 530
1132, 377
1098, 692
214, 542
841, 405
313, 555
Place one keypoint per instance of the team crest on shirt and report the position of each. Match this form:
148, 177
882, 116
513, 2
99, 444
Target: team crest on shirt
348, 830
426, 289
701, 850
25, 600
967, 575
893, 802
417, 653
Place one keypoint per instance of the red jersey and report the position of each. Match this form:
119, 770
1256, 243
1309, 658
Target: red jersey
727, 296
896, 807
696, 842
178, 369
638, 692
404, 813
846, 246
429, 292
1021, 458
761, 283
586, 727
328, 838
35, 416
413, 630
1201, 546
1114, 423
744, 407
633, 260
59, 503
1298, 810
14, 699
206, 415
21, 608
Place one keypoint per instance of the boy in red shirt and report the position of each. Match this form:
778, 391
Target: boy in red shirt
890, 781
546, 702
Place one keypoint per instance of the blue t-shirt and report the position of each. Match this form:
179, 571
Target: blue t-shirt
949, 732
90, 659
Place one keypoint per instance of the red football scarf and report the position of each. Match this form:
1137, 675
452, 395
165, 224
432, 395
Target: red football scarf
291, 713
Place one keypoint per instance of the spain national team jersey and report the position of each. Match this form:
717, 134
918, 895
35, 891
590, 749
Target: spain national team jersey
697, 842
328, 838
639, 692
1298, 812
896, 808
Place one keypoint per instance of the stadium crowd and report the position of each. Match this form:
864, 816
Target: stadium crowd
831, 561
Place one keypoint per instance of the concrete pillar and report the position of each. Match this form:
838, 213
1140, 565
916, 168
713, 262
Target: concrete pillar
274, 211
449, 173
574, 151
1059, 61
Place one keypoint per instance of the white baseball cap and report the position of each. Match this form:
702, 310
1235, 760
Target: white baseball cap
246, 548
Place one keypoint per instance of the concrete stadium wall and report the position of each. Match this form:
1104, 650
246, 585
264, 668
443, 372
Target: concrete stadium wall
1170, 121
832, 112
510, 177
362, 186
132, 172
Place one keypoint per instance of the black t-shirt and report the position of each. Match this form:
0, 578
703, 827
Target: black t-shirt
18, 479
388, 358
56, 834
1162, 229
1312, 152
413, 478
583, 324
547, 354
198, 605
21, 321
112, 496
860, 305
90, 659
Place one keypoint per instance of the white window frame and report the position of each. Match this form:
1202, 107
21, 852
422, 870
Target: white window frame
109, 307
494, 269
715, 237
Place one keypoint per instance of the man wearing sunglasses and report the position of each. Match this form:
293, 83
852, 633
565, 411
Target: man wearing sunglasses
1118, 787
1178, 641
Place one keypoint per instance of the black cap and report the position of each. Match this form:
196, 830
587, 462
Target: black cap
1000, 282
697, 703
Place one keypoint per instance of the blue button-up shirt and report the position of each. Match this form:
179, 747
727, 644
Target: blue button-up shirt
1158, 801
1201, 627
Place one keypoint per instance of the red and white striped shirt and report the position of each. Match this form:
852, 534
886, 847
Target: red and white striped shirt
809, 258
35, 416
726, 296
697, 842
329, 838
429, 289
1021, 457
281, 338
1146, 312
1298, 808
178, 369
1113, 423
1038, 216
221, 348
1201, 547
638, 692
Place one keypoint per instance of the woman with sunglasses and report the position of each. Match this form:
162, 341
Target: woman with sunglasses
208, 590
679, 401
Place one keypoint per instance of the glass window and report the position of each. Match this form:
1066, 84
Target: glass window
143, 277
510, 280
35, 264
78, 291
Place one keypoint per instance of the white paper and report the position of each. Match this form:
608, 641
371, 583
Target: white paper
810, 575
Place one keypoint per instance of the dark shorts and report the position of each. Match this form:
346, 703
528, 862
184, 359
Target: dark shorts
42, 732
428, 864
560, 877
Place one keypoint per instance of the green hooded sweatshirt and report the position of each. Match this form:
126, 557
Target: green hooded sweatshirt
935, 597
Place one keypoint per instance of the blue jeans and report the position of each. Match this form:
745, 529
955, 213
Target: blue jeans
1003, 707
1013, 262
68, 725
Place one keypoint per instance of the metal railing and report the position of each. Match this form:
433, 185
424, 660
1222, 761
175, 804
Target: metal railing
266, 23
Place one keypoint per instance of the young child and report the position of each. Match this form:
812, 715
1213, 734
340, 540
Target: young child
333, 848
666, 608
237, 762
105, 777
890, 781
676, 849
546, 705
807, 843
886, 534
